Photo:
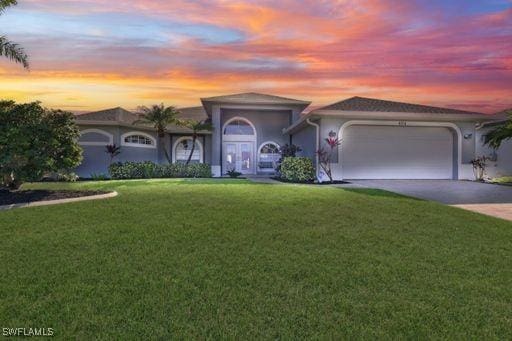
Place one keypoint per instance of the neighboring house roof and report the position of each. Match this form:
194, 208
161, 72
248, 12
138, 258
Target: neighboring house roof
123, 117
379, 105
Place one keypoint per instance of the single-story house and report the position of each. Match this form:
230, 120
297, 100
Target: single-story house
380, 139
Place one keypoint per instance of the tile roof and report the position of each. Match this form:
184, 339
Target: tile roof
378, 105
123, 116
111, 115
194, 113
254, 98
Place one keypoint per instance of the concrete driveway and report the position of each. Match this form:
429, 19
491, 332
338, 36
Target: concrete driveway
495, 200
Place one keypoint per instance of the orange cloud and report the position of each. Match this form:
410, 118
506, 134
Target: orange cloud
317, 50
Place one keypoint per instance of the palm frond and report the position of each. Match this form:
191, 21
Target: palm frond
13, 51
159, 116
499, 135
6, 3
197, 126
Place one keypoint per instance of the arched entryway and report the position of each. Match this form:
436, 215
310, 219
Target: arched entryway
238, 140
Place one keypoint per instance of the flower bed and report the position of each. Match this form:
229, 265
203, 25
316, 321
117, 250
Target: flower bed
29, 196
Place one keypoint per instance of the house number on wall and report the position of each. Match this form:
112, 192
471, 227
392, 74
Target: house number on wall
402, 123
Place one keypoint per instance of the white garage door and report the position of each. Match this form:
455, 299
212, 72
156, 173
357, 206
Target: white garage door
392, 152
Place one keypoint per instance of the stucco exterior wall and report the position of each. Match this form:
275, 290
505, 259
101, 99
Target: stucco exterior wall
305, 139
501, 163
96, 160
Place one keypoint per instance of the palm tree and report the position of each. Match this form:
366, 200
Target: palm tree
9, 49
500, 134
160, 117
196, 127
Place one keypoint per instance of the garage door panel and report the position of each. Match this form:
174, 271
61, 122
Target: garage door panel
390, 152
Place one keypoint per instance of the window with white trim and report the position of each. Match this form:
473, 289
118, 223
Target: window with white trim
268, 155
238, 127
184, 147
139, 139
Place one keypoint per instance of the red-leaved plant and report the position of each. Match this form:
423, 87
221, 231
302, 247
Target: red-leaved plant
112, 150
326, 152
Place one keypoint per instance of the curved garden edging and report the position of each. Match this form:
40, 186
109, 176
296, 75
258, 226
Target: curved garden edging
59, 201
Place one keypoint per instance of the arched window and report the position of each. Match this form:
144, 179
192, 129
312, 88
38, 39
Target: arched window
238, 127
182, 148
268, 156
138, 139
95, 137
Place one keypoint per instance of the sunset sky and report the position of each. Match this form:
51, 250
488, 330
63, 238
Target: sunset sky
93, 54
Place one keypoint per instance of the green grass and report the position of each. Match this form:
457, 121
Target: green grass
503, 180
230, 259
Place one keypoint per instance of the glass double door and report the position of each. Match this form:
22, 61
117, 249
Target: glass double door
239, 156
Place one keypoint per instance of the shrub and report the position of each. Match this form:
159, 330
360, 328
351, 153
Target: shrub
286, 151
479, 166
62, 176
35, 141
148, 169
297, 169
99, 176
233, 173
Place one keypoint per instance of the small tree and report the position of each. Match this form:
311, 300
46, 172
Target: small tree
112, 150
196, 127
35, 141
325, 154
160, 117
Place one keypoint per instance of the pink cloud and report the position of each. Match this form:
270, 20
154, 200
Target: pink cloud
319, 50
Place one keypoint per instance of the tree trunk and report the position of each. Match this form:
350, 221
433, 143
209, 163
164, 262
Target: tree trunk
162, 144
11, 182
194, 138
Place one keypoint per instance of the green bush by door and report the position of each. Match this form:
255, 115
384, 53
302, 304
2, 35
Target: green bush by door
297, 169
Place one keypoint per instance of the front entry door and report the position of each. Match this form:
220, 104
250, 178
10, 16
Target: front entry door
239, 156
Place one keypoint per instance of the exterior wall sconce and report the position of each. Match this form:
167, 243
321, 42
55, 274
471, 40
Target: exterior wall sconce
468, 136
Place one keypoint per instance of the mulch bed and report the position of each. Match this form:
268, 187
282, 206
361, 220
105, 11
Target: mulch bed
335, 182
19, 197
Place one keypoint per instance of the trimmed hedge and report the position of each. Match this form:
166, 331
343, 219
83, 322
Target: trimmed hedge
148, 169
297, 169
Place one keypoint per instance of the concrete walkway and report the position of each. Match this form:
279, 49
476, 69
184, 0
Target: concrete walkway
503, 211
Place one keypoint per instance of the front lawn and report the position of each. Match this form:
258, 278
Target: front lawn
231, 259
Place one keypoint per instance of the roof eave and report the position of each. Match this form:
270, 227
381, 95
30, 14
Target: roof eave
138, 127
403, 115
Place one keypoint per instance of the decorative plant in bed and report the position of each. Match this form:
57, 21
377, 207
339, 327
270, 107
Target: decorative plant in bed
301, 170
35, 141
